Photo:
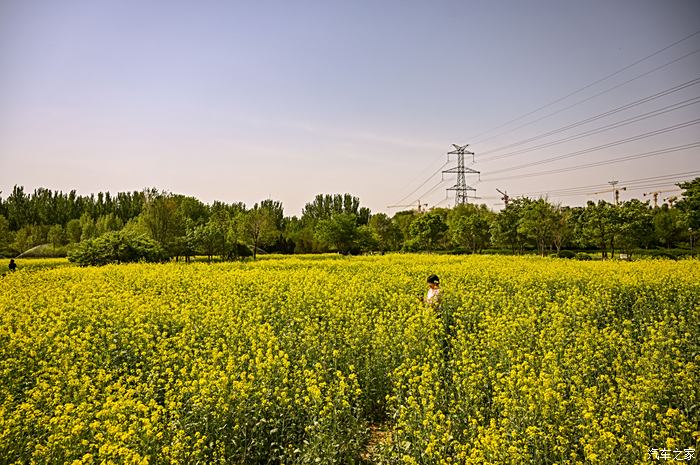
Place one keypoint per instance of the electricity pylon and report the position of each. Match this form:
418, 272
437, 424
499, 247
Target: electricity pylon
461, 188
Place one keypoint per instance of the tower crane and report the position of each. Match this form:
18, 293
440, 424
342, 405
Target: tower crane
655, 196
420, 206
614, 190
505, 198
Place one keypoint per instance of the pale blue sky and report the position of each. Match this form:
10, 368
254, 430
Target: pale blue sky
238, 101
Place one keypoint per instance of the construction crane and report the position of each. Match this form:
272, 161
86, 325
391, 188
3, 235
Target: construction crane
420, 206
505, 198
671, 200
614, 190
655, 196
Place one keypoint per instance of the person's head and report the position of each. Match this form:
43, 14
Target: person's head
12, 260
433, 280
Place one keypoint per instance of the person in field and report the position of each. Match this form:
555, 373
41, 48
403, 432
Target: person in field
434, 296
12, 266
434, 300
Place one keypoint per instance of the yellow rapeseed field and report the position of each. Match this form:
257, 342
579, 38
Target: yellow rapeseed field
291, 360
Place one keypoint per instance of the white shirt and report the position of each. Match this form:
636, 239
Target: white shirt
434, 296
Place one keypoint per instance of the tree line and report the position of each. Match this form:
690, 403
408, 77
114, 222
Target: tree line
162, 225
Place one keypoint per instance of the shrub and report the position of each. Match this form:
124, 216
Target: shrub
117, 247
660, 254
582, 256
566, 254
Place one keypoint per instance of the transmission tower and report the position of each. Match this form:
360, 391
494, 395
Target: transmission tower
461, 188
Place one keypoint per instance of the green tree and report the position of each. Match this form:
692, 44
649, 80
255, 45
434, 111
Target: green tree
597, 224
87, 227
386, 233
325, 206
562, 226
258, 226
217, 228
301, 234
18, 209
504, 229
205, 237
689, 203
163, 219
469, 226
22, 240
338, 232
5, 235
537, 223
73, 231
366, 240
637, 228
403, 221
427, 230
106, 223
192, 209
669, 225
57, 235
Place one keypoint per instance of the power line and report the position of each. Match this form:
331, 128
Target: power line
594, 96
423, 183
611, 161
608, 127
441, 202
645, 135
581, 101
434, 188
588, 85
414, 180
662, 176
693, 173
594, 118
632, 184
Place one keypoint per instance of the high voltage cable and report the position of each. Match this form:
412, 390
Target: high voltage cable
588, 85
661, 176
589, 193
594, 96
645, 135
585, 190
581, 101
632, 182
594, 118
441, 202
425, 194
607, 127
631, 185
425, 169
600, 163
423, 184
636, 184
653, 186
431, 190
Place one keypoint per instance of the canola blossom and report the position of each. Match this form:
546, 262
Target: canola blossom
296, 360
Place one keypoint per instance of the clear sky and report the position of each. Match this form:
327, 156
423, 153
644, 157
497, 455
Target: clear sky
243, 100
